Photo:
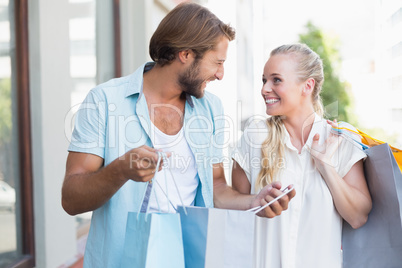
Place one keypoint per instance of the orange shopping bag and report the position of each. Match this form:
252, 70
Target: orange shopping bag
370, 142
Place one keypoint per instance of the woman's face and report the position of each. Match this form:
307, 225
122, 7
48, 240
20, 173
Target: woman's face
281, 90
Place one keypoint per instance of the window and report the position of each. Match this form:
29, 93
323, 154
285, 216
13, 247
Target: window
395, 18
396, 50
16, 220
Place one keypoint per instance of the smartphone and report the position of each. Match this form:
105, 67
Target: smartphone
285, 191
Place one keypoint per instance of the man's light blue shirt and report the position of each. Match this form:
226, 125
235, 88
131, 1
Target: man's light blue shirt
114, 119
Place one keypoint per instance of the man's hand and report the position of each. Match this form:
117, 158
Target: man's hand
140, 164
88, 184
267, 194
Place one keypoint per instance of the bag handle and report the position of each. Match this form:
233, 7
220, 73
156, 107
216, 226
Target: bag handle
370, 142
147, 193
365, 140
165, 161
342, 130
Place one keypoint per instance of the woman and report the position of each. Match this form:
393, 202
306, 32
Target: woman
295, 145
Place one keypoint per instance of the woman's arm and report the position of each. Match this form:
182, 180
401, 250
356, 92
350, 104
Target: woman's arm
239, 179
350, 193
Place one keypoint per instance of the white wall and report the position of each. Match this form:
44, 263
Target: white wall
388, 67
226, 89
139, 19
50, 89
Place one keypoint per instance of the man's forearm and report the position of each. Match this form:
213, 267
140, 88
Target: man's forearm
226, 197
88, 191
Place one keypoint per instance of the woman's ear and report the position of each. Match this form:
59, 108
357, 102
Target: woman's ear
308, 86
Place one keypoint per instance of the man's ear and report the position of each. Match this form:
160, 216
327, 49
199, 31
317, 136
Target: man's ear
308, 86
185, 55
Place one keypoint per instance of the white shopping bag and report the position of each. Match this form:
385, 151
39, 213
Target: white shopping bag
217, 237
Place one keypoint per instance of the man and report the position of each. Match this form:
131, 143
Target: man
162, 106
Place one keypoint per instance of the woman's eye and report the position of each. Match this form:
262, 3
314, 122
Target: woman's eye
264, 81
277, 80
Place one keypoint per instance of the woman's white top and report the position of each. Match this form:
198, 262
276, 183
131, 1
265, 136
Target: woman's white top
308, 233
183, 168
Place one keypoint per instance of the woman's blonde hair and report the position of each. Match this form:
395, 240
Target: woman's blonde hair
309, 65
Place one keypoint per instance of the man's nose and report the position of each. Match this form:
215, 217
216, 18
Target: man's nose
219, 74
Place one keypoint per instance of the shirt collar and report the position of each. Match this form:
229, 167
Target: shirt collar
317, 128
136, 81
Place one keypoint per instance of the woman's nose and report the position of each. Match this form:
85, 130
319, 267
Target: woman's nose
266, 88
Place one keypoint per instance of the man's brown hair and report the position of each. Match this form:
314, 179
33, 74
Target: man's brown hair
187, 26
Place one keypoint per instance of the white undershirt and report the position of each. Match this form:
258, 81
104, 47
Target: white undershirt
183, 168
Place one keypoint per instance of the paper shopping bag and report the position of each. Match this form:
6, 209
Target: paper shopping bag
371, 142
153, 240
217, 237
378, 243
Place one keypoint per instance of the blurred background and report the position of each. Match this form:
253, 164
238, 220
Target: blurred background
53, 52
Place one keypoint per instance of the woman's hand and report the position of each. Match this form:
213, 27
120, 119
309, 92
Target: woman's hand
267, 194
323, 154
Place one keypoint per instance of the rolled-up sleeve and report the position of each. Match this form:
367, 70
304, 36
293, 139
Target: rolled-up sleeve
89, 129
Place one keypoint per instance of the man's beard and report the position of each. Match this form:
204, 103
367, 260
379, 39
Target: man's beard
190, 82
